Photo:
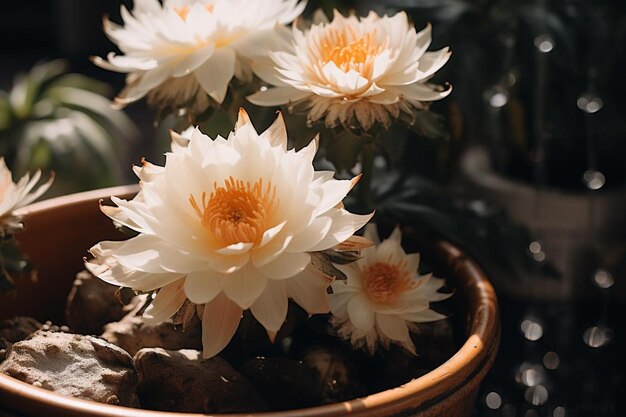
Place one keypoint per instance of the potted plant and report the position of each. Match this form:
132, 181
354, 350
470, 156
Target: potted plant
240, 231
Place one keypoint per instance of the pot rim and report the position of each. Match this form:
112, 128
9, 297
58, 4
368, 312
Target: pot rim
472, 360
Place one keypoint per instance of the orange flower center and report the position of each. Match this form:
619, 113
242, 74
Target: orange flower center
384, 282
183, 11
238, 211
348, 51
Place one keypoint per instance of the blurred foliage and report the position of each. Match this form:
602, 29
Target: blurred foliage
54, 120
537, 131
428, 211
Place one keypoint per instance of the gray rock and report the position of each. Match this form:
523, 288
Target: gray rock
79, 366
91, 304
181, 381
285, 383
132, 334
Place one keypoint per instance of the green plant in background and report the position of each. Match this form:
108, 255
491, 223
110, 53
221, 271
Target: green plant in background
60, 121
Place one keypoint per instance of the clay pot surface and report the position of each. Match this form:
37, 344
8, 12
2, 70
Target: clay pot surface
58, 233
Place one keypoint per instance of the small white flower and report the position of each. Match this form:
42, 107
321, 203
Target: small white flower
178, 51
354, 71
383, 295
230, 224
16, 195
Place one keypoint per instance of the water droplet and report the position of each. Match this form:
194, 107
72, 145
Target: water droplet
559, 412
590, 103
539, 256
545, 43
594, 179
496, 96
511, 79
532, 330
596, 337
531, 377
551, 360
263, 88
603, 278
536, 395
531, 413
493, 400
534, 247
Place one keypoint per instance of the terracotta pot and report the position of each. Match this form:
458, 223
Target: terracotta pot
60, 230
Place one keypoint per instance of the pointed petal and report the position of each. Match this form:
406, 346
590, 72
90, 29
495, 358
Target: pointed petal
215, 74
276, 134
392, 326
270, 309
286, 265
203, 286
360, 313
245, 286
220, 320
308, 290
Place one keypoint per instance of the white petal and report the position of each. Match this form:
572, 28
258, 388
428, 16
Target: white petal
308, 290
220, 320
344, 226
423, 316
203, 286
270, 309
245, 286
166, 303
277, 96
276, 134
215, 74
360, 313
393, 327
286, 265
148, 253
311, 235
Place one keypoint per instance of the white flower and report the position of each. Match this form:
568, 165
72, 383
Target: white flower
355, 71
16, 195
383, 295
230, 224
176, 51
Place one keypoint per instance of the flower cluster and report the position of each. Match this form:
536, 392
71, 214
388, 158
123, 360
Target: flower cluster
244, 223
351, 71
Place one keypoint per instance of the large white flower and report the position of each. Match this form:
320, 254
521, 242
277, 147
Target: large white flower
16, 195
177, 51
355, 71
383, 295
229, 224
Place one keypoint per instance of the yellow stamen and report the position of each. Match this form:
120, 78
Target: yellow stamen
349, 52
385, 282
238, 211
